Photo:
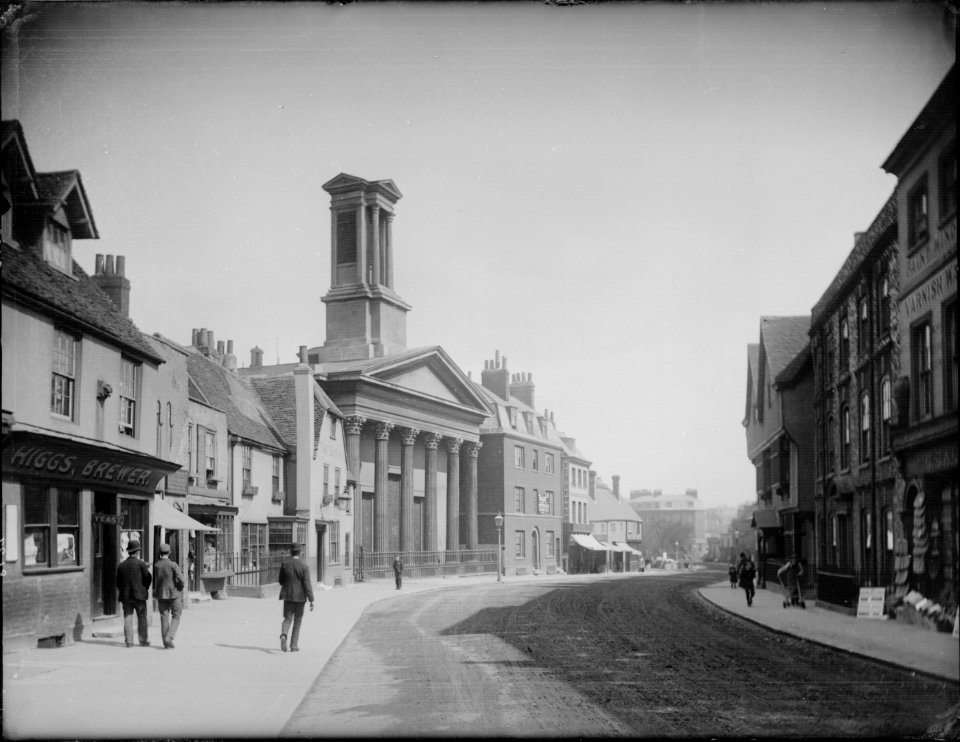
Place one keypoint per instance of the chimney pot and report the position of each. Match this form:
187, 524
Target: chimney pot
211, 343
195, 337
229, 346
98, 269
109, 265
202, 338
220, 347
121, 265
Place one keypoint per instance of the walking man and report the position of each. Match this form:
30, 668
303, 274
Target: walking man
295, 590
167, 588
747, 572
133, 579
398, 570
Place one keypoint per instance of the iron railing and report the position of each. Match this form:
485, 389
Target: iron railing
379, 565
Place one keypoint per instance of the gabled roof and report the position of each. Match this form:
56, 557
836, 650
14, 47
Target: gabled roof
753, 373
931, 120
236, 398
782, 338
607, 507
278, 394
794, 371
16, 157
344, 183
66, 187
884, 224
77, 301
428, 371
571, 450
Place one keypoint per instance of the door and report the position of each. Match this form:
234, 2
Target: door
106, 531
366, 523
321, 549
535, 549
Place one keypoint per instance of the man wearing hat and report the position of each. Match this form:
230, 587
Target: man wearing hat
295, 590
133, 579
167, 589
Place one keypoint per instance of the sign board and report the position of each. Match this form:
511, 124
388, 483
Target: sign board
870, 602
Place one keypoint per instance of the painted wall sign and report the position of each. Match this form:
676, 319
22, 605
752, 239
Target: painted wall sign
83, 465
944, 241
941, 284
870, 602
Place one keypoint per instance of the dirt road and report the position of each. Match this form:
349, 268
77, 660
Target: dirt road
598, 657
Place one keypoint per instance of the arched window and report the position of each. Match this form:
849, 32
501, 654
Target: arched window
886, 409
844, 437
865, 426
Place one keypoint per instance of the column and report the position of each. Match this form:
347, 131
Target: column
453, 494
336, 248
470, 499
430, 491
381, 531
352, 426
408, 436
389, 251
362, 242
375, 232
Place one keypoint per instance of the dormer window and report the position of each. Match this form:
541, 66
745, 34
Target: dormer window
56, 247
512, 412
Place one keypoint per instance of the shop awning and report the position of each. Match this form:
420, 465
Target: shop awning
169, 517
627, 548
589, 542
765, 519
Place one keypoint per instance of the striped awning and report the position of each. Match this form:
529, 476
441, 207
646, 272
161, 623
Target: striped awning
589, 542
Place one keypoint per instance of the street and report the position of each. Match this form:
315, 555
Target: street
608, 656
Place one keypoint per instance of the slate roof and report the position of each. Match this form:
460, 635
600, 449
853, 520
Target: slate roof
850, 270
937, 111
570, 448
500, 420
607, 507
29, 280
783, 338
369, 365
236, 398
753, 373
793, 372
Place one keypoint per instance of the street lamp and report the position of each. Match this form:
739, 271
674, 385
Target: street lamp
498, 519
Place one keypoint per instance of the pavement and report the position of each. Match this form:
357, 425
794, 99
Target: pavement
228, 678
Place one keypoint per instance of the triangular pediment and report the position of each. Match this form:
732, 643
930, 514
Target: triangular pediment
429, 372
344, 183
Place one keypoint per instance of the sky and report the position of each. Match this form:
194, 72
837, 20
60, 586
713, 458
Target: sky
610, 195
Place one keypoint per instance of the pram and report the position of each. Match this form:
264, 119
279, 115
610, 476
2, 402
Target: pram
792, 591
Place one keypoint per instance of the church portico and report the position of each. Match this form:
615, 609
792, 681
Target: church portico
413, 417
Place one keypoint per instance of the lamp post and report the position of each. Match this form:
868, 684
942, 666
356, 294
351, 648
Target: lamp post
498, 519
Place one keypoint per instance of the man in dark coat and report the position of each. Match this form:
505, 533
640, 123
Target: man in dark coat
133, 579
398, 570
747, 572
167, 589
295, 590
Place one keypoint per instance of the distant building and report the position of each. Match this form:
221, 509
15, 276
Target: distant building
575, 496
617, 526
671, 523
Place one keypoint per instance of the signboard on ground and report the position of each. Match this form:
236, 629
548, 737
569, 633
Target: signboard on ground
870, 602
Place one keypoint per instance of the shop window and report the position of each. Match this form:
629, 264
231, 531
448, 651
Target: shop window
947, 183
129, 396
134, 516
922, 378
519, 495
218, 545
51, 527
283, 534
917, 215
253, 544
519, 545
950, 351
333, 533
63, 390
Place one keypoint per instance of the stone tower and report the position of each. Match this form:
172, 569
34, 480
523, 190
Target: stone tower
365, 317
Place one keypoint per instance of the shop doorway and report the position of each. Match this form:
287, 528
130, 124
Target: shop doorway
106, 533
321, 549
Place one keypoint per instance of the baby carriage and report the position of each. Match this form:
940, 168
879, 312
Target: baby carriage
789, 577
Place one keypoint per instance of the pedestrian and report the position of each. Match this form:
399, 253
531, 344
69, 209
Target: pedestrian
398, 570
733, 576
789, 576
133, 580
746, 573
295, 590
168, 590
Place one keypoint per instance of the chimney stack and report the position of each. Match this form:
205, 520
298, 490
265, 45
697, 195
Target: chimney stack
616, 485
495, 377
522, 388
303, 354
229, 359
256, 357
113, 283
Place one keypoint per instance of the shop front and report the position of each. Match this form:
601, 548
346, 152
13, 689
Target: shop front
69, 508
